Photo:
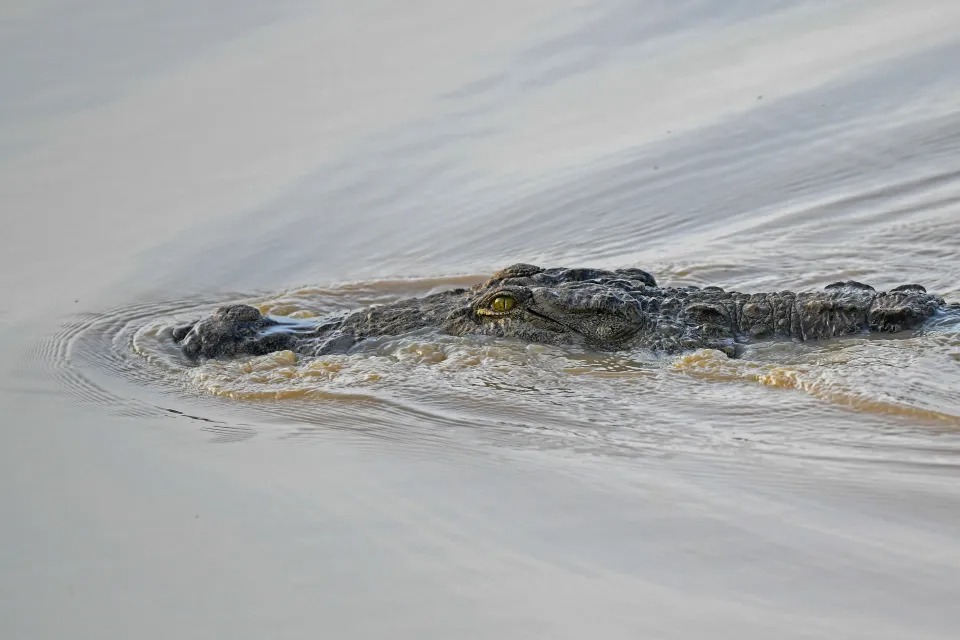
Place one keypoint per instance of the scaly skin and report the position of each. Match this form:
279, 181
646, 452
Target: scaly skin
603, 310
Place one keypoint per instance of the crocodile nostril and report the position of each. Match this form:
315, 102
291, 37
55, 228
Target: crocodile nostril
191, 346
179, 333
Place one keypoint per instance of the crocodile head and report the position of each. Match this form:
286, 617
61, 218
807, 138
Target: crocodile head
596, 308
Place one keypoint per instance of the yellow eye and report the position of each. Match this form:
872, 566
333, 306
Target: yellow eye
502, 304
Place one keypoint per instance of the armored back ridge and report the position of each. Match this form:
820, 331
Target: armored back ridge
599, 309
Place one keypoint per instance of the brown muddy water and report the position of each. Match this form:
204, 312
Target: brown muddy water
159, 159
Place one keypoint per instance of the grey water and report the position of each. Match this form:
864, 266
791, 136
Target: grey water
158, 159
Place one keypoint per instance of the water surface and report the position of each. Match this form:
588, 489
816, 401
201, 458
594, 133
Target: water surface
156, 162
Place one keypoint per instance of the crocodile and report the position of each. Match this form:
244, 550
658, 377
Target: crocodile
598, 309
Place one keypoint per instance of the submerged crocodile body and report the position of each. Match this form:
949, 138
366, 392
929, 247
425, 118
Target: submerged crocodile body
599, 309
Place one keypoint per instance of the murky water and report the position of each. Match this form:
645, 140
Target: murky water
158, 162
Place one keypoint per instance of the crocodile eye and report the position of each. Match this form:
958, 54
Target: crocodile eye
502, 304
